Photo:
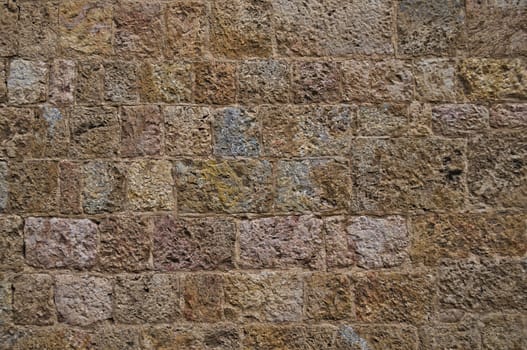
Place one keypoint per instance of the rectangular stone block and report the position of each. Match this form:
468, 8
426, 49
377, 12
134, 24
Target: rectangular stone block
60, 243
9, 14
493, 286
440, 336
459, 236
166, 82
85, 27
193, 243
376, 337
89, 86
236, 132
147, 298
333, 28
83, 300
321, 185
62, 82
103, 187
510, 116
33, 300
241, 28
187, 28
27, 82
37, 29
215, 83
188, 131
141, 130
33, 186
430, 27
328, 297
6, 303
292, 337
282, 242
504, 332
459, 119
94, 132
4, 186
263, 297
3, 80
125, 243
11, 243
408, 174
203, 297
121, 81
301, 131
394, 297
138, 29
231, 186
387, 119
263, 81
436, 80
150, 185
314, 82
70, 184
494, 79
495, 177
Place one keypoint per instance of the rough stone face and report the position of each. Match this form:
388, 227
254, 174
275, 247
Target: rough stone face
312, 185
282, 242
203, 297
138, 28
358, 337
333, 28
94, 132
459, 236
89, 86
263, 82
340, 249
3, 80
70, 183
504, 332
236, 132
408, 174
6, 307
263, 297
193, 243
149, 185
386, 119
120, 82
125, 243
9, 14
4, 186
314, 82
165, 82
230, 186
83, 300
61, 80
186, 28
52, 243
215, 82
33, 300
11, 243
241, 28
306, 130
493, 79
187, 131
85, 27
141, 131
436, 80
33, 186
460, 119
103, 188
147, 298
27, 81
490, 287
511, 116
37, 35
35, 133
443, 336
429, 27
496, 170
387, 80
328, 297
387, 297
294, 337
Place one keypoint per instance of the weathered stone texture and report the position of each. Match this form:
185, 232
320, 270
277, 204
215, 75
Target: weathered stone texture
89, 85
69, 243
215, 83
504, 332
294, 337
203, 297
459, 120
186, 28
375, 337
141, 133
103, 187
33, 299
11, 243
69, 186
188, 131
149, 185
315, 82
328, 297
264, 81
169, 82
37, 34
436, 80
511, 116
9, 14
236, 132
120, 81
27, 82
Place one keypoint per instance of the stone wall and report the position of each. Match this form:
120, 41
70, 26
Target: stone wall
263, 174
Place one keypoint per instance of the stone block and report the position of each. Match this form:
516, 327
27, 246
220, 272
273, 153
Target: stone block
27, 82
33, 300
236, 132
188, 131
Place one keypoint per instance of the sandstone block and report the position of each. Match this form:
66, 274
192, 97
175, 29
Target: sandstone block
294, 337
460, 236
89, 86
340, 249
8, 24
504, 332
70, 184
333, 28
193, 243
187, 28
263, 297
282, 242
314, 82
459, 119
147, 298
3, 80
83, 300
165, 82
263, 81
37, 29
141, 131
312, 185
6, 305
385, 119
230, 186
33, 300
55, 242
436, 80
236, 132
444, 335
377, 337
215, 83
62, 80
4, 186
188, 130
511, 116
125, 243
11, 243
149, 185
27, 82
120, 81
408, 174
103, 187
203, 297
328, 297
94, 132
306, 130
